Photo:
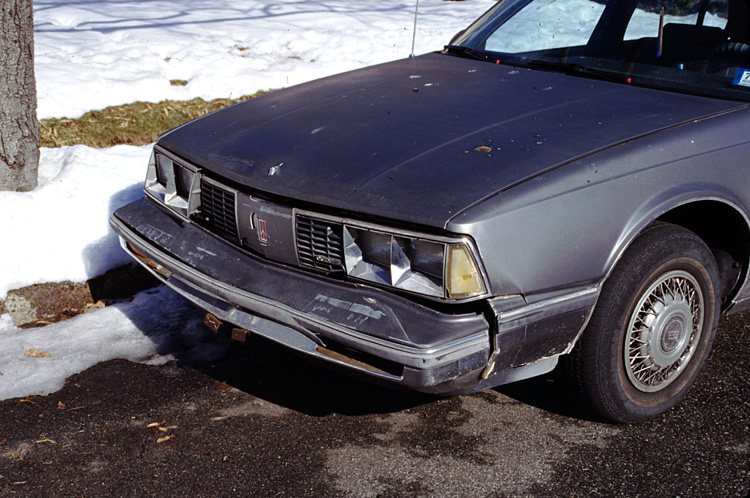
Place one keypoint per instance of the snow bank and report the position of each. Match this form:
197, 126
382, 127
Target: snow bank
93, 54
60, 231
154, 328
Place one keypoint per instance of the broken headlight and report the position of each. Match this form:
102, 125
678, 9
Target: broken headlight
171, 182
441, 267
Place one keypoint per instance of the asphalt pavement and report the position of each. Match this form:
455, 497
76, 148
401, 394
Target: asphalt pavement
255, 420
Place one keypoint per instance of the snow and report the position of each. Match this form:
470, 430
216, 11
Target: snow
90, 54
63, 223
93, 54
154, 328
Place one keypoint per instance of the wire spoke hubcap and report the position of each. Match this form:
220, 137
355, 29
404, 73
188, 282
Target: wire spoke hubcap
664, 331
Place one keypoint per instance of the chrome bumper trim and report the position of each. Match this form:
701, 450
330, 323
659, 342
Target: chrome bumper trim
188, 282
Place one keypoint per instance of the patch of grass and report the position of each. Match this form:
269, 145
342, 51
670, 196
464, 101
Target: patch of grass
139, 123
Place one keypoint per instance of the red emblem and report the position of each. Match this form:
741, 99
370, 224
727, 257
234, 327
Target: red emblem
262, 233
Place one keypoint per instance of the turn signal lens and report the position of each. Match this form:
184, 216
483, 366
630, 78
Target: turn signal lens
464, 279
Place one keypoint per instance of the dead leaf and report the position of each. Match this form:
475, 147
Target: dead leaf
153, 424
484, 148
163, 439
94, 306
223, 386
60, 405
16, 455
35, 353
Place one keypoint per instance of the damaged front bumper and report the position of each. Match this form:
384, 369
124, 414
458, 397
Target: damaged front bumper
363, 329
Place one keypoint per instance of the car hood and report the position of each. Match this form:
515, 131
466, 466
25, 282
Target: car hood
421, 139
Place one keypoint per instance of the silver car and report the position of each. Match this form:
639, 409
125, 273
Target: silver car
568, 180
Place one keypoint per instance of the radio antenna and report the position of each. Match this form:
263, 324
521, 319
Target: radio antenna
414, 34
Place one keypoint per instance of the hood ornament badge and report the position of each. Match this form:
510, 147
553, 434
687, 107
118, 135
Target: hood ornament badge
274, 169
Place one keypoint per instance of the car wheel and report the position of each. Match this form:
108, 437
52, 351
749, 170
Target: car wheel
652, 328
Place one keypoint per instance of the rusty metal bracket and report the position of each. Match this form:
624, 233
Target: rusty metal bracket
239, 334
212, 322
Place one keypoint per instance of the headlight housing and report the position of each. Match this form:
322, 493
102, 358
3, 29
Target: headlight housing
440, 267
172, 183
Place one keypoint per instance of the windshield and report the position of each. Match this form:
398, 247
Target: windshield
695, 46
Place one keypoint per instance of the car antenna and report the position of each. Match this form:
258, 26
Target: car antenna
414, 34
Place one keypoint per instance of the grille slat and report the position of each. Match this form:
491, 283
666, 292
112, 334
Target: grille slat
320, 244
218, 209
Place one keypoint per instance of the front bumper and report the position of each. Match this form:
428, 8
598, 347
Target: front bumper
365, 330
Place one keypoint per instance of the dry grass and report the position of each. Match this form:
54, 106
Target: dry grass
139, 123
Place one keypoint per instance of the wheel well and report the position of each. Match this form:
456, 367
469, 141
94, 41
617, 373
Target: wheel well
725, 231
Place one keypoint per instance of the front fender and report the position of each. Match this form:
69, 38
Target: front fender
568, 228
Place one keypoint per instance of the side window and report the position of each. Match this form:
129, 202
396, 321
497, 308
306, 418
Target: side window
566, 24
647, 16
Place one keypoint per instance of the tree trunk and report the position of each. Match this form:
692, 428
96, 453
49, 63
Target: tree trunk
19, 128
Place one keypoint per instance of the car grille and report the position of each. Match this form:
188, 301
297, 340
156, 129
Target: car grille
218, 210
320, 244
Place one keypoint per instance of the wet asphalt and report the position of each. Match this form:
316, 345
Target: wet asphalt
255, 420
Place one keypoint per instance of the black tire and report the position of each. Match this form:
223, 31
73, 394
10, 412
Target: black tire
638, 355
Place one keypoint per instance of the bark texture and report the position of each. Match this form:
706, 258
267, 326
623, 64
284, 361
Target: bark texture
19, 128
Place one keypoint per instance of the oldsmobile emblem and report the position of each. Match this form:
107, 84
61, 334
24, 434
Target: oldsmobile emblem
262, 232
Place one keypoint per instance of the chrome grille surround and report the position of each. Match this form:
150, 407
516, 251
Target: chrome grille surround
219, 209
320, 244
